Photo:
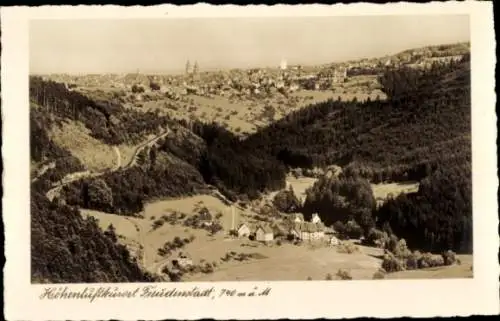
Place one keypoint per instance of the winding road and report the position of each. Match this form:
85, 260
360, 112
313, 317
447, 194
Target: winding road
70, 178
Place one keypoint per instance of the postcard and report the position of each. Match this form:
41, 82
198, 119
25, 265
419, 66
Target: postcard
249, 162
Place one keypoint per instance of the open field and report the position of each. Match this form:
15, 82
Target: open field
75, 137
291, 262
272, 262
382, 191
241, 115
300, 185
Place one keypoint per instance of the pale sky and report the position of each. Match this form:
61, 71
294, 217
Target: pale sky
163, 45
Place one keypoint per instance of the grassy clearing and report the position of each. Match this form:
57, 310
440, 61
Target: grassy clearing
75, 137
274, 262
292, 262
382, 191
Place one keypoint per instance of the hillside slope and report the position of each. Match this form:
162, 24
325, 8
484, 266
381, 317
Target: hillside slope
425, 120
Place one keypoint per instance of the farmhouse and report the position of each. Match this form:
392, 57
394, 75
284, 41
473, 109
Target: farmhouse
315, 218
307, 231
297, 217
182, 261
334, 241
264, 233
243, 230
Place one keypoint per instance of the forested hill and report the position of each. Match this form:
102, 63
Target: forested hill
426, 118
65, 247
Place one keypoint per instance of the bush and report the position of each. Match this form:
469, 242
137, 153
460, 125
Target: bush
339, 227
392, 244
329, 277
347, 247
449, 257
412, 260
392, 264
343, 274
380, 274
377, 238
286, 201
401, 250
429, 260
137, 89
353, 230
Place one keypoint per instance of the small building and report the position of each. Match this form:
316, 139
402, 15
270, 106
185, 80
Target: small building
182, 261
264, 233
243, 230
307, 231
315, 218
298, 218
334, 241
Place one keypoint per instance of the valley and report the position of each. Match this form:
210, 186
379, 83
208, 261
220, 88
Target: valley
256, 174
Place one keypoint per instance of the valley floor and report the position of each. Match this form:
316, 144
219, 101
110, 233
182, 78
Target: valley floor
270, 262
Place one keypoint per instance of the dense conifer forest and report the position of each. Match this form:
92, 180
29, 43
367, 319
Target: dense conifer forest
67, 248
425, 119
426, 138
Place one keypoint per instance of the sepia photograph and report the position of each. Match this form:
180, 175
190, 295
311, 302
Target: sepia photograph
179, 150
166, 150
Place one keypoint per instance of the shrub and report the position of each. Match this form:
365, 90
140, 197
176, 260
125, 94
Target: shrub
137, 89
347, 247
380, 274
401, 250
157, 224
392, 264
309, 278
412, 260
207, 268
353, 230
449, 257
339, 227
392, 244
377, 238
286, 201
430, 260
343, 274
329, 277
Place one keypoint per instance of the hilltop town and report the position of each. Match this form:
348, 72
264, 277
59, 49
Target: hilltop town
245, 100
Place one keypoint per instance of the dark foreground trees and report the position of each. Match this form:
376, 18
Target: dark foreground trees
65, 248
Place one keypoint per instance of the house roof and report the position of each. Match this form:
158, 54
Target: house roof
307, 227
265, 228
243, 225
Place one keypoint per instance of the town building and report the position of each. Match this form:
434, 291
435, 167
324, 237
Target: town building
307, 231
243, 230
283, 64
264, 233
298, 217
334, 241
182, 261
315, 218
339, 75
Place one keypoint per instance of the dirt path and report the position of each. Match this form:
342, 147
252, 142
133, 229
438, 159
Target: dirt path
43, 169
141, 238
143, 145
118, 158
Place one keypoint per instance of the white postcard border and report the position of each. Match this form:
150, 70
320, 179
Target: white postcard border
294, 300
